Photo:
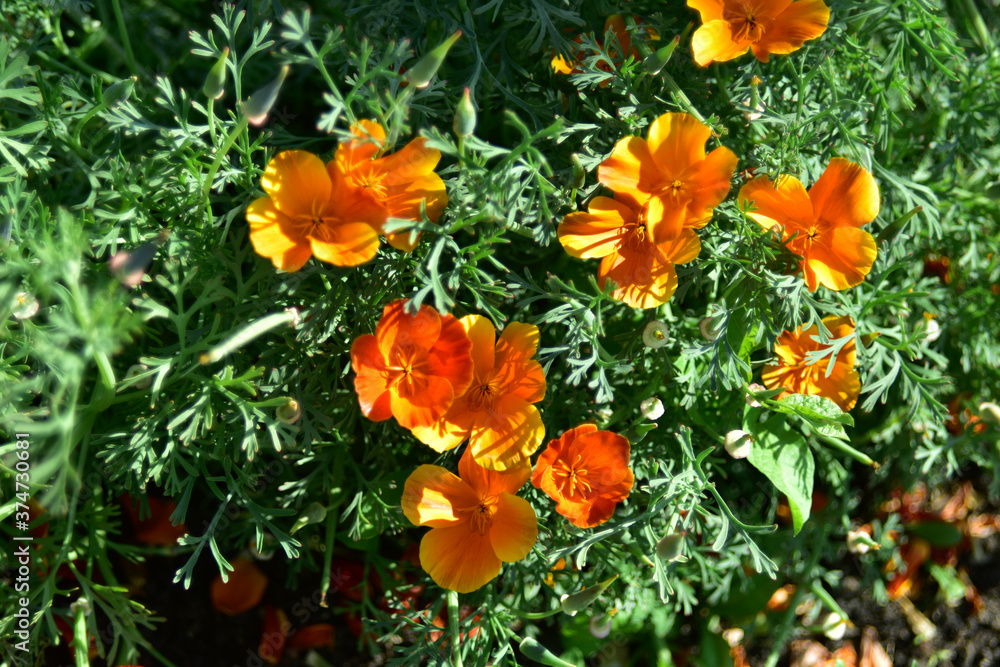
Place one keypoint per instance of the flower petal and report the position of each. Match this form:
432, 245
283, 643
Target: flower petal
710, 10
714, 41
451, 356
685, 248
843, 386
708, 182
242, 591
784, 202
432, 496
369, 140
515, 528
459, 558
372, 378
605, 455
630, 171
845, 195
505, 436
298, 183
842, 259
677, 141
643, 279
483, 336
524, 378
598, 231
419, 400
399, 331
666, 217
344, 244
412, 161
800, 22
450, 431
403, 201
560, 65
488, 482
274, 236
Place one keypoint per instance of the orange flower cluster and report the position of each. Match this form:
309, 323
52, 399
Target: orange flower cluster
665, 187
824, 224
842, 385
616, 24
336, 211
730, 28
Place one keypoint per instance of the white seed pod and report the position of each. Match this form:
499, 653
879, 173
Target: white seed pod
25, 305
738, 444
751, 116
138, 369
651, 408
751, 401
655, 335
707, 332
989, 412
859, 542
600, 626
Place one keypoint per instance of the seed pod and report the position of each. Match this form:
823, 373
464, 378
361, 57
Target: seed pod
738, 444
259, 104
465, 116
651, 408
751, 401
655, 335
215, 82
425, 69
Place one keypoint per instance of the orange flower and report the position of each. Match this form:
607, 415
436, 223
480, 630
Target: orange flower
672, 170
615, 23
643, 270
731, 27
413, 367
242, 591
842, 386
311, 209
825, 221
586, 472
496, 412
476, 521
396, 184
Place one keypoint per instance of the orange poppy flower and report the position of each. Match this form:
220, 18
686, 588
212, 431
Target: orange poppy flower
615, 23
496, 412
672, 168
476, 521
398, 183
242, 591
732, 27
312, 210
825, 221
413, 367
643, 270
842, 386
586, 472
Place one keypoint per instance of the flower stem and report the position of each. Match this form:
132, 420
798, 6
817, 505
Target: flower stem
230, 140
456, 652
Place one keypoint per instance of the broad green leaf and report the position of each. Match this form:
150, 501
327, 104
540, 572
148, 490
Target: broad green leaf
783, 455
823, 415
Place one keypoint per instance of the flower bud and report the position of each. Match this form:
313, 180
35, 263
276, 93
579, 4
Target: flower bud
533, 650
651, 408
314, 513
136, 370
670, 548
655, 335
989, 412
655, 61
583, 599
860, 542
215, 82
465, 116
930, 328
751, 401
579, 173
706, 330
259, 104
423, 72
288, 413
25, 305
738, 444
118, 92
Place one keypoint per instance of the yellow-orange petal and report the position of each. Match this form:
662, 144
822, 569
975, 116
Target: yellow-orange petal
369, 140
418, 401
483, 336
372, 378
459, 558
710, 10
504, 437
714, 41
451, 356
598, 231
242, 591
488, 482
666, 217
800, 22
450, 431
843, 386
518, 342
841, 260
525, 379
515, 528
274, 236
685, 248
644, 281
630, 171
845, 195
298, 183
344, 244
434, 497
708, 183
409, 163
560, 65
403, 201
398, 331
784, 203
677, 141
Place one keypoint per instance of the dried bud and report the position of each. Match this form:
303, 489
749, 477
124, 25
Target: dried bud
738, 444
707, 331
751, 401
215, 82
651, 408
135, 370
655, 335
288, 413
758, 110
465, 116
989, 412
834, 626
423, 72
860, 542
670, 548
25, 306
259, 104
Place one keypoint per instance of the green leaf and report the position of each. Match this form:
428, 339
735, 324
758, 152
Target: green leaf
823, 415
783, 455
938, 533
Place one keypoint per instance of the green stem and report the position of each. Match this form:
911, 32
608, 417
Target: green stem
456, 651
845, 448
211, 120
817, 589
249, 333
331, 533
534, 615
230, 140
123, 31
80, 640
96, 109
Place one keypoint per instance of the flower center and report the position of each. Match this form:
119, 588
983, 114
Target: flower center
573, 476
745, 23
483, 394
482, 514
371, 182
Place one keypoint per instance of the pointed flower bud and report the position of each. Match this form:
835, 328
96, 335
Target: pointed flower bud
580, 601
655, 335
425, 69
579, 173
215, 82
465, 116
314, 513
259, 104
118, 92
738, 444
670, 548
655, 61
533, 650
